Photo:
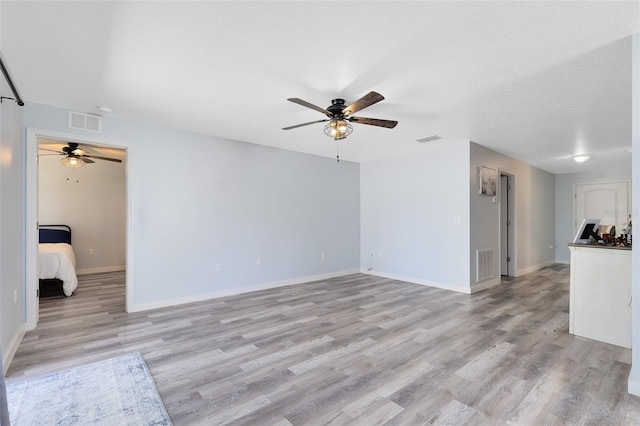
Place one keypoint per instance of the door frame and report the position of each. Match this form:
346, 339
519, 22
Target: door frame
31, 219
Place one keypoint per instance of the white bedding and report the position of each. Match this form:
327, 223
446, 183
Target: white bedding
58, 261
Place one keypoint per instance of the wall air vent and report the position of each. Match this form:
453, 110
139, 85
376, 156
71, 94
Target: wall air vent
82, 121
484, 264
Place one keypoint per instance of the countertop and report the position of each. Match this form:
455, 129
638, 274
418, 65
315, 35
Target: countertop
599, 246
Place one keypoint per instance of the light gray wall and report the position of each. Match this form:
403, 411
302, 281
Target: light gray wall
92, 201
565, 189
534, 212
634, 375
415, 212
12, 213
200, 200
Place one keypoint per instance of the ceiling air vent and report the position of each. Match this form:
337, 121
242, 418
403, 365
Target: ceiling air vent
429, 138
82, 121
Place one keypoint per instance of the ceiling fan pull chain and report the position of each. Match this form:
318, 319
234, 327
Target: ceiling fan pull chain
77, 175
338, 151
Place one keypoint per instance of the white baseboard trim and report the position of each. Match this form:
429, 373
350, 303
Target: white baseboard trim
485, 285
100, 270
417, 281
563, 262
534, 268
633, 387
13, 347
137, 307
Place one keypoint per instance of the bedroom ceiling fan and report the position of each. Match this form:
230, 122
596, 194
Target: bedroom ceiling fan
340, 115
74, 156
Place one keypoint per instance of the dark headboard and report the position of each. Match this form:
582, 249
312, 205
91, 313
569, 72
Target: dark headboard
55, 234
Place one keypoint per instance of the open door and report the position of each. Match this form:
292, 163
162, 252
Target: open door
507, 234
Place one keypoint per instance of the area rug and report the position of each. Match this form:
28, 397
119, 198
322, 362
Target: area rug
117, 391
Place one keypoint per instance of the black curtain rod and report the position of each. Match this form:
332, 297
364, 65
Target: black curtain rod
7, 76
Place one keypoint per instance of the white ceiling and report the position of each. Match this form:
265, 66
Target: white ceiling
539, 81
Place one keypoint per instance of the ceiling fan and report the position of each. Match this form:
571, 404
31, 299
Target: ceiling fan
74, 156
339, 115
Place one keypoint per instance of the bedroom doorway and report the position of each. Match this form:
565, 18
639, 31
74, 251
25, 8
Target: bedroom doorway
93, 199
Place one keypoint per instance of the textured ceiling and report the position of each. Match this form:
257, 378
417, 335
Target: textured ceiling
539, 81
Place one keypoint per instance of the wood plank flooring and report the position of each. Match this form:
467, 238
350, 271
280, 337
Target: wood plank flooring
356, 350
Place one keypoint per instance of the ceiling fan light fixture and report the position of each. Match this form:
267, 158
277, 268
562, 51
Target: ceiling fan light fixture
73, 162
338, 129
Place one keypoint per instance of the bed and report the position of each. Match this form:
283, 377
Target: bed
56, 259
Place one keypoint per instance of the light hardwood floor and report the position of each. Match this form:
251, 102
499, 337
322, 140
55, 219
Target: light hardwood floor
356, 350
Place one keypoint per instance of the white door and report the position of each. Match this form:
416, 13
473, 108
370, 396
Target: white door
608, 202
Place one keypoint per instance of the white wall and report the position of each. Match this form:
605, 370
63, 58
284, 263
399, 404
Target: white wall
565, 189
12, 213
415, 216
200, 200
634, 375
92, 201
534, 213
410, 207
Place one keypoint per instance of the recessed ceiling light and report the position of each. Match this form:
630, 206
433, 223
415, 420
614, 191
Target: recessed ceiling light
581, 158
105, 109
429, 138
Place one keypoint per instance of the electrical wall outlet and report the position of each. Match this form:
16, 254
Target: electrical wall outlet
258, 262
218, 266
91, 251
322, 255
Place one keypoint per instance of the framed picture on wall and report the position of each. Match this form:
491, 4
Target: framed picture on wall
487, 181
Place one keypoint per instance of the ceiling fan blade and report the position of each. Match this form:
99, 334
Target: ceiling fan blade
365, 101
389, 124
304, 124
115, 160
308, 105
86, 160
49, 150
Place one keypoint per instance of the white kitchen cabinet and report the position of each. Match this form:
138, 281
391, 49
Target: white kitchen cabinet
600, 293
